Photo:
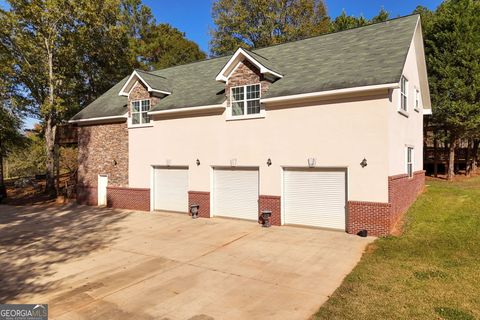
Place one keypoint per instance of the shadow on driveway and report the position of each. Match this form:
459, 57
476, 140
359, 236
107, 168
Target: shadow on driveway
34, 238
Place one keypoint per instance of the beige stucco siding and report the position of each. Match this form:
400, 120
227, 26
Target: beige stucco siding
337, 133
404, 130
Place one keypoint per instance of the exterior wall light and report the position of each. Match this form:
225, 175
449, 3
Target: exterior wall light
364, 163
311, 162
269, 162
233, 162
197, 162
114, 162
169, 162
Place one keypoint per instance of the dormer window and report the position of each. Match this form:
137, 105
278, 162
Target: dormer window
140, 110
245, 100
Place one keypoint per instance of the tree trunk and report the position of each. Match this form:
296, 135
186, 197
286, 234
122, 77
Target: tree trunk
475, 155
50, 126
3, 190
435, 157
468, 162
451, 159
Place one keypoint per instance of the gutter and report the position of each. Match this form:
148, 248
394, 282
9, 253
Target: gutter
99, 119
190, 109
331, 92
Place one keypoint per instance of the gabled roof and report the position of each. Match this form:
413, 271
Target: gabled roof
153, 82
365, 56
262, 63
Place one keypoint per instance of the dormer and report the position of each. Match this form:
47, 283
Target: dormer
261, 63
143, 90
247, 76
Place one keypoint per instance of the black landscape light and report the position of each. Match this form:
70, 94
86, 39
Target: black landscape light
194, 210
266, 214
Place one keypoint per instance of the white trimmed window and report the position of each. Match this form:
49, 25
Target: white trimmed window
404, 94
409, 161
245, 100
417, 99
140, 110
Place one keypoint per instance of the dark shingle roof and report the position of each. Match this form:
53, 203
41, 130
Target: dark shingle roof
363, 56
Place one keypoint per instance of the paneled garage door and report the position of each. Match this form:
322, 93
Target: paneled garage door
315, 197
170, 189
235, 193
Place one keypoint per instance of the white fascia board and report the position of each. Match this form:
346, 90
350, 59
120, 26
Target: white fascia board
427, 112
189, 109
240, 51
149, 89
98, 119
331, 92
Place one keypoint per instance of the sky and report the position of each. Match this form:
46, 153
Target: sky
193, 17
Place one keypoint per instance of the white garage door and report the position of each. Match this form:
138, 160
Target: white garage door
235, 193
315, 197
170, 189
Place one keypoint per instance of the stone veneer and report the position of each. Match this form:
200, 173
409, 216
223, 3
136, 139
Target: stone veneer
245, 74
103, 149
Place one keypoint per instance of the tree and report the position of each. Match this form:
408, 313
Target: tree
345, 22
260, 23
452, 47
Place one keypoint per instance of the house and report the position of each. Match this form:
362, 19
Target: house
323, 132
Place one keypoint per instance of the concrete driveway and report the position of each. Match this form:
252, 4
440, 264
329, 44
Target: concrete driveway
92, 263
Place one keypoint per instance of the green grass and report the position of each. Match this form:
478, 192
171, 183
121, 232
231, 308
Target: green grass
432, 271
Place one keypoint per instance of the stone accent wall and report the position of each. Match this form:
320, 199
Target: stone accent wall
380, 218
103, 149
87, 195
272, 203
202, 198
140, 92
245, 74
128, 198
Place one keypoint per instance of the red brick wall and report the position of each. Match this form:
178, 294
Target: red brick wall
403, 191
272, 203
128, 198
372, 216
380, 218
201, 198
103, 149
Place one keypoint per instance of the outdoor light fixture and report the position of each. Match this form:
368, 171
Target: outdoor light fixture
194, 210
266, 214
114, 162
269, 162
311, 162
233, 162
197, 162
364, 163
168, 162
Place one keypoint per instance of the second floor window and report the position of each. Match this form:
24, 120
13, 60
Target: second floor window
140, 110
245, 100
404, 94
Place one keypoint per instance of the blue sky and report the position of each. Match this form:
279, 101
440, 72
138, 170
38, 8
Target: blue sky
194, 16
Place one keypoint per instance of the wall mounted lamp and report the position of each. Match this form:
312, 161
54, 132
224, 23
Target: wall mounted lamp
197, 162
364, 163
269, 162
233, 162
311, 162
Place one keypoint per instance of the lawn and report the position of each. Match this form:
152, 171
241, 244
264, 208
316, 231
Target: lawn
432, 271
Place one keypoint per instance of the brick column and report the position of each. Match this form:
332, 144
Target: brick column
202, 198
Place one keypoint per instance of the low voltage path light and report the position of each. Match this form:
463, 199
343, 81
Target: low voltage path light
194, 210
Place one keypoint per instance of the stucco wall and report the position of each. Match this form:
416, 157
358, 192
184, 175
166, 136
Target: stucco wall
337, 133
406, 130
